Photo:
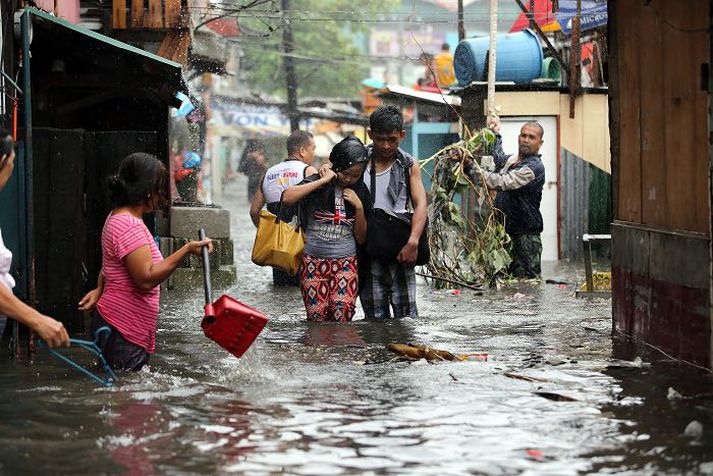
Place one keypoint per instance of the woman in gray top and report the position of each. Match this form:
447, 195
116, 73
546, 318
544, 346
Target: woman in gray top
333, 216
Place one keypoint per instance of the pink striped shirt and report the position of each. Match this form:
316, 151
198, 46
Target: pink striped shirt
122, 304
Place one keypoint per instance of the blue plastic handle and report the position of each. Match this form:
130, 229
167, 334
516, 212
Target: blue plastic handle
93, 347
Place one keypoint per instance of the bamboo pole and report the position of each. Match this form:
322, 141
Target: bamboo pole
492, 56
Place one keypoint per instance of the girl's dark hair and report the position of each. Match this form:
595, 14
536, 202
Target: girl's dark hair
349, 151
140, 177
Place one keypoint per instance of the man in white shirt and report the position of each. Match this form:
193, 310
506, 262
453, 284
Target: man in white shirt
277, 179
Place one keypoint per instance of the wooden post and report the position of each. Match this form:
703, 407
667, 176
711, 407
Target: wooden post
173, 13
30, 273
492, 56
532, 14
118, 15
461, 23
290, 73
155, 19
137, 13
574, 60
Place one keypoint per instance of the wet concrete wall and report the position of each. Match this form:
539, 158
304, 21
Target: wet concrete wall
181, 227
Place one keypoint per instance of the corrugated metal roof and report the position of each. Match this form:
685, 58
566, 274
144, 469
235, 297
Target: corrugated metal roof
102, 38
406, 92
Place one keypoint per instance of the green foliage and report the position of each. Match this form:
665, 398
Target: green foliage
326, 59
472, 248
481, 143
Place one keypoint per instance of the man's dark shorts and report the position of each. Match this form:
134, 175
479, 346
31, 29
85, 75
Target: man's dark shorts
526, 256
120, 354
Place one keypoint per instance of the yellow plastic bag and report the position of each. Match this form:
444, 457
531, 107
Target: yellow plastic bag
277, 244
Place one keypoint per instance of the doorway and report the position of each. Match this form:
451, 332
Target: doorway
71, 202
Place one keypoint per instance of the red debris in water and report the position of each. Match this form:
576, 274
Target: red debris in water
535, 454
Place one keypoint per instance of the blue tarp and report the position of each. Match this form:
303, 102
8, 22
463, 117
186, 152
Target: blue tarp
594, 14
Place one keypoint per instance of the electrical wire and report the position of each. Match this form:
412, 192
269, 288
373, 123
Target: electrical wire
321, 58
344, 56
278, 13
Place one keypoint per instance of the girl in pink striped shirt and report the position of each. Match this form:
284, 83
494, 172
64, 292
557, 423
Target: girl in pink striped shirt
127, 294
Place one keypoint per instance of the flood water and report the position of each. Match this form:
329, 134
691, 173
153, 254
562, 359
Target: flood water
327, 399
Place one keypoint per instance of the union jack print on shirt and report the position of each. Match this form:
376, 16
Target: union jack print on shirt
339, 217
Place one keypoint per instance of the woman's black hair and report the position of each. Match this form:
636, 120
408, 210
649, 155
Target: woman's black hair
349, 151
140, 177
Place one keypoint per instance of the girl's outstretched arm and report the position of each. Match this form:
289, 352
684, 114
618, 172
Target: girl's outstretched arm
146, 274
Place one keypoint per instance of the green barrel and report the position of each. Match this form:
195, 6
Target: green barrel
551, 69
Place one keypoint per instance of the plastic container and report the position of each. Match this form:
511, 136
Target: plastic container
552, 69
519, 58
232, 324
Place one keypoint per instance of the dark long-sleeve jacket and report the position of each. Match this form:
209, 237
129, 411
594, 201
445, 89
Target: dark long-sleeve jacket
519, 183
325, 196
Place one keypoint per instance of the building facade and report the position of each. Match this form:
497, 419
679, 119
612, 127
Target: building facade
660, 55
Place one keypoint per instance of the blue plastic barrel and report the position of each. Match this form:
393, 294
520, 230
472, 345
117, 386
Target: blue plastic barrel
519, 58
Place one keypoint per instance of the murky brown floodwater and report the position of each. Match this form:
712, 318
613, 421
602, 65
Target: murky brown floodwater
329, 399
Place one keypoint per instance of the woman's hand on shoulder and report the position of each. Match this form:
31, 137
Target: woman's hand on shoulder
195, 247
326, 173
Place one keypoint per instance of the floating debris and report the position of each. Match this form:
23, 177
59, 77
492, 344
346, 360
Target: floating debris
526, 378
556, 397
673, 394
694, 430
637, 363
418, 352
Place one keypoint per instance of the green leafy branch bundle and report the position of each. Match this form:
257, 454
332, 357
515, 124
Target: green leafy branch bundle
472, 248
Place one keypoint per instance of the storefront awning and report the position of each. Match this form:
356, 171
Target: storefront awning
409, 94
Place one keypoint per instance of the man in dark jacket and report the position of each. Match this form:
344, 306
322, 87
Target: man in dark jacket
519, 180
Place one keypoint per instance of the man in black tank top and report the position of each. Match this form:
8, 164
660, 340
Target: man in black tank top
388, 289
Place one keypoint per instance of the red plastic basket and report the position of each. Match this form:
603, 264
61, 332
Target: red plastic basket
229, 323
232, 324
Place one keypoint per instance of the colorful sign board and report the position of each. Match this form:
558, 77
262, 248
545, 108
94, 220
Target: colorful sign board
396, 44
249, 120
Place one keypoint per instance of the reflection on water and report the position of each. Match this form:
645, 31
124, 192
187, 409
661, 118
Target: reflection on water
323, 398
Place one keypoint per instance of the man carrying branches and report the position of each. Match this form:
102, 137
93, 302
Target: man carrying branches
518, 180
